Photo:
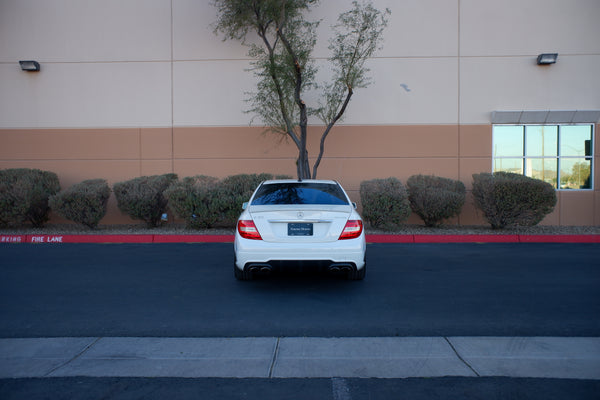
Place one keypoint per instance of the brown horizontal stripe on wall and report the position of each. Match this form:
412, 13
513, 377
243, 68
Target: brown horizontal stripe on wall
352, 154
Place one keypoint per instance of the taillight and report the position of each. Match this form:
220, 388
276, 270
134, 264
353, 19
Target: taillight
352, 230
248, 230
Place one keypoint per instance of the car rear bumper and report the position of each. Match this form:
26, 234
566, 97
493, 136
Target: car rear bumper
290, 255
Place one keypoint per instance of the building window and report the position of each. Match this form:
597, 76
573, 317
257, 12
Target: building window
561, 155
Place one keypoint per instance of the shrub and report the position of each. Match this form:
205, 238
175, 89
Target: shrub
84, 203
204, 201
193, 200
24, 196
385, 202
233, 191
142, 198
435, 199
508, 199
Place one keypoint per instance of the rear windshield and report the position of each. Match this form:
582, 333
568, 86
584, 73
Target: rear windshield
299, 193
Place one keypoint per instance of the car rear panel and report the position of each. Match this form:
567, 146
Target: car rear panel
259, 251
300, 223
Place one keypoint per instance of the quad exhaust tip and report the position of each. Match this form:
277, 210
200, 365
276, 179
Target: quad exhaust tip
341, 267
333, 268
263, 268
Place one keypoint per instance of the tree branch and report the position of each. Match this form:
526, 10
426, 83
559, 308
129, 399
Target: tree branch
328, 129
262, 33
303, 165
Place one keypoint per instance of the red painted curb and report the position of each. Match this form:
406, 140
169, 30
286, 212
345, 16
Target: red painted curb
13, 238
229, 238
193, 238
466, 238
390, 238
90, 238
559, 238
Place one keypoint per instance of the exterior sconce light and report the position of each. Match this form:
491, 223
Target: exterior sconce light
30, 66
547, 58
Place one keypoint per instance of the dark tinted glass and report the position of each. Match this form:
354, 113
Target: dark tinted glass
299, 193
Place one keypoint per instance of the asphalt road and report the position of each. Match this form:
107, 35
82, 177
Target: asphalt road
188, 290
306, 389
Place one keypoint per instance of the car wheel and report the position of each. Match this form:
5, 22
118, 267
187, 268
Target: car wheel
358, 275
241, 275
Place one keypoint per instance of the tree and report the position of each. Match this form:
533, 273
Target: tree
285, 70
579, 177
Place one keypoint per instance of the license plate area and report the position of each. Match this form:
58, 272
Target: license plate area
300, 229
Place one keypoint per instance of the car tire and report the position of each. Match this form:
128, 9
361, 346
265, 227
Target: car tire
358, 275
241, 275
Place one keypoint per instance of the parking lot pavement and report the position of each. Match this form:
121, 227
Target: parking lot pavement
302, 357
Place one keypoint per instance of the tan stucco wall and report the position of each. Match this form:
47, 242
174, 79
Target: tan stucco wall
353, 154
157, 63
141, 87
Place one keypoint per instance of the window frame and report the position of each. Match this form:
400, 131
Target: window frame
559, 158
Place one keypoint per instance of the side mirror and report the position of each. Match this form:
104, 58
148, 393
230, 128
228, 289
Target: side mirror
354, 205
244, 205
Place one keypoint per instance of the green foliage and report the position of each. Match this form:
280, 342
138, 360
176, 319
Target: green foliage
84, 202
358, 34
285, 70
579, 178
508, 199
142, 198
204, 201
385, 203
286, 38
239, 17
235, 190
193, 199
280, 83
24, 196
435, 199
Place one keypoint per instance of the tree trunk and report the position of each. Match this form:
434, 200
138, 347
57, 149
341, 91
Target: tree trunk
303, 164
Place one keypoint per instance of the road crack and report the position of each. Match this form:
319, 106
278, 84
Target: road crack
460, 357
274, 359
85, 349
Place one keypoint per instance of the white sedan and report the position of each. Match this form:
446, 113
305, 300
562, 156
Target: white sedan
299, 224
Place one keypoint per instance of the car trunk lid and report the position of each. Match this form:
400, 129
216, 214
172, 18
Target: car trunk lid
300, 223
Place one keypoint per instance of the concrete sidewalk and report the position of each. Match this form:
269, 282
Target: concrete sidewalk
302, 357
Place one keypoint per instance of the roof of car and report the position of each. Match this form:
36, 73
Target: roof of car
299, 181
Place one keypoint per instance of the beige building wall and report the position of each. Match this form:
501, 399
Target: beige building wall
353, 154
140, 87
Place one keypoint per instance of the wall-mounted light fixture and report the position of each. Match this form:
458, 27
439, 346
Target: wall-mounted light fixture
30, 65
547, 58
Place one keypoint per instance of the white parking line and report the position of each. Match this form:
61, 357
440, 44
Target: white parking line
340, 389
